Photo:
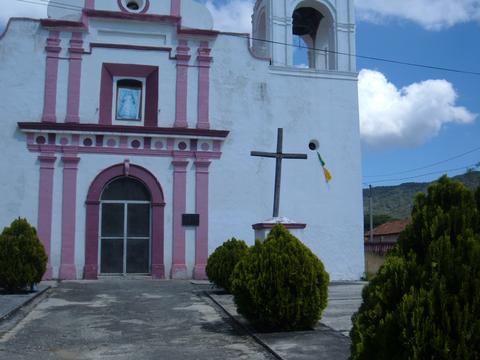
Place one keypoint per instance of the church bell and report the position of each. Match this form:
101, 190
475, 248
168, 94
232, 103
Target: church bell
306, 21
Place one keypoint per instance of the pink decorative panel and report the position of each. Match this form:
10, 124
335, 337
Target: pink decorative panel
45, 200
201, 205
179, 268
150, 73
175, 7
69, 203
183, 57
204, 61
51, 77
74, 76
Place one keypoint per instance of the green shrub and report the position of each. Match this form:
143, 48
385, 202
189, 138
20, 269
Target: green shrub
222, 261
23, 260
280, 284
424, 302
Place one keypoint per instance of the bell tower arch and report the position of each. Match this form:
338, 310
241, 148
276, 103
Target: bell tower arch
323, 30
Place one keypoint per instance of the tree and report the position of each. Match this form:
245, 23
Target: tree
425, 301
280, 284
23, 260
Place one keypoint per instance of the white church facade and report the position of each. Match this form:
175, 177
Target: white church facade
127, 127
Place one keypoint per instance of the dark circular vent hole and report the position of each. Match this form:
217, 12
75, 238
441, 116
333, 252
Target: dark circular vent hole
312, 146
133, 5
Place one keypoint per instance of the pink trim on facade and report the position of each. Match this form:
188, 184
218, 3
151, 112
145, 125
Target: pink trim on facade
150, 73
125, 10
197, 33
183, 57
175, 8
125, 150
45, 201
116, 129
89, 4
67, 25
263, 226
129, 47
217, 145
179, 267
204, 60
74, 76
68, 270
93, 213
131, 16
51, 77
201, 206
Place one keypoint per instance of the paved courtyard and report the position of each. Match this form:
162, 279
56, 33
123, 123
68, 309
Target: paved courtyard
127, 319
150, 319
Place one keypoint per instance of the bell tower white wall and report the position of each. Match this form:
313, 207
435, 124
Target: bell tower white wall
272, 31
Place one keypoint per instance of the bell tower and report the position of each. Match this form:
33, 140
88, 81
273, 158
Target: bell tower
324, 30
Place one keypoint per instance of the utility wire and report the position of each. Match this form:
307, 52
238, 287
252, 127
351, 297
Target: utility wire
418, 176
55, 4
425, 66
426, 166
325, 51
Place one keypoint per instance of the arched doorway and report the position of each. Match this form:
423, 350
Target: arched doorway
125, 235
111, 194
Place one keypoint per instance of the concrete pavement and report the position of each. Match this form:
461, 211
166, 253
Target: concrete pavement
151, 319
328, 340
126, 319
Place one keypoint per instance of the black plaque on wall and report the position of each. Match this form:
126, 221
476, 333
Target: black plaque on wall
190, 219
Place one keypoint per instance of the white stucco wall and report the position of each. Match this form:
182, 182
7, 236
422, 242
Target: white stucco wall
247, 97
309, 106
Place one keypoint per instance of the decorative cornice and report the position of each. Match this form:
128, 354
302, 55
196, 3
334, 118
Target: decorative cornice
115, 129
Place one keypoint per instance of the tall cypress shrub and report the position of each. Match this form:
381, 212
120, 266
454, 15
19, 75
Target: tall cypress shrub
425, 301
23, 259
222, 261
280, 284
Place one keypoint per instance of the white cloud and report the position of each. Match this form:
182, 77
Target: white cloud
235, 15
431, 14
406, 117
14, 8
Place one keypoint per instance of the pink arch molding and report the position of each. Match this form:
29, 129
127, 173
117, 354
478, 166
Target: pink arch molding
93, 212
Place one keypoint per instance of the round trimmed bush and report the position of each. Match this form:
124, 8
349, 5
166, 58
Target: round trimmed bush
23, 260
425, 301
280, 285
222, 261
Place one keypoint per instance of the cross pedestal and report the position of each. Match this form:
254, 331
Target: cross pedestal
263, 229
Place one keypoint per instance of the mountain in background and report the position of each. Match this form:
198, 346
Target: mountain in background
396, 202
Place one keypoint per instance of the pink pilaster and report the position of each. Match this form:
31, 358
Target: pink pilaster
158, 268
183, 57
45, 200
69, 201
201, 204
179, 268
204, 60
74, 75
89, 4
51, 76
175, 7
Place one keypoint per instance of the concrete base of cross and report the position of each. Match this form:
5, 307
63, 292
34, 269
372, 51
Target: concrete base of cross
263, 228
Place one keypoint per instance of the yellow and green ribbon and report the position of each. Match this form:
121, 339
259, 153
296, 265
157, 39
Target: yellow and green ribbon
326, 172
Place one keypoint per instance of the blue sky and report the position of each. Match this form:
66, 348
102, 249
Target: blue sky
410, 117
454, 47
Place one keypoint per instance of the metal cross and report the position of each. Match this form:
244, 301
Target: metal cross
279, 156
